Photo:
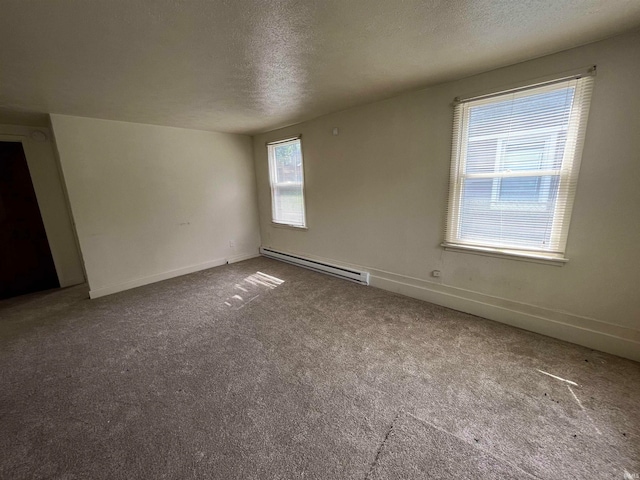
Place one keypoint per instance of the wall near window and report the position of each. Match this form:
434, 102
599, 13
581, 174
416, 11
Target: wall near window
376, 196
155, 202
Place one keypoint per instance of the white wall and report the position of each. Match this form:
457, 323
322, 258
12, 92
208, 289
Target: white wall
51, 200
376, 196
155, 202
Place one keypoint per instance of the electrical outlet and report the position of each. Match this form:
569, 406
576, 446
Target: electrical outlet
435, 273
232, 244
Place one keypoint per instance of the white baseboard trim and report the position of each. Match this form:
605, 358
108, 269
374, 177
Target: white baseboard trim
138, 282
240, 258
588, 332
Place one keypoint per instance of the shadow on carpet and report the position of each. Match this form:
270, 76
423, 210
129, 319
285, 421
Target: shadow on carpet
415, 449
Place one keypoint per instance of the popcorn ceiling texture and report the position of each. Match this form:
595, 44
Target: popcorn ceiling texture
254, 65
260, 369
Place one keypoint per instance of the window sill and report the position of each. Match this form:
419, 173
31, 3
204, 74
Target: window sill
495, 252
290, 227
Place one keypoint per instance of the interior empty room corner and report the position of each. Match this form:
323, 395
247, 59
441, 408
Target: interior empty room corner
319, 240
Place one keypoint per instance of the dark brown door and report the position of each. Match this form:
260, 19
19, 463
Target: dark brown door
26, 264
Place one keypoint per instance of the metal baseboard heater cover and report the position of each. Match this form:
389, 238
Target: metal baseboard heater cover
340, 272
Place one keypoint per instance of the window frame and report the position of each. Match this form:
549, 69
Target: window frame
274, 184
566, 174
548, 139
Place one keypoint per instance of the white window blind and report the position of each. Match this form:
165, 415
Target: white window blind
514, 170
286, 175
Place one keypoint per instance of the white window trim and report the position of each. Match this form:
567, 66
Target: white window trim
274, 185
567, 173
287, 225
524, 256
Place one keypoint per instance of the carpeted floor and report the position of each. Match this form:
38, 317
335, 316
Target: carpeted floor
262, 370
414, 449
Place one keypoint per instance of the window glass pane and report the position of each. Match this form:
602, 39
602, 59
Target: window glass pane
481, 156
477, 194
288, 161
520, 216
289, 204
522, 189
529, 193
523, 155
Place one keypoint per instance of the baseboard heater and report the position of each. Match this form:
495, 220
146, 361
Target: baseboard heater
340, 272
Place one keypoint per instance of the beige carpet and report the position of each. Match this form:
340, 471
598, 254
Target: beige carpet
263, 370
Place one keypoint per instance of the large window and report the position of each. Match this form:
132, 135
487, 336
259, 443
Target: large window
514, 169
287, 182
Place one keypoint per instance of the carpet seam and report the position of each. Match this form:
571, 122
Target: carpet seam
384, 441
497, 457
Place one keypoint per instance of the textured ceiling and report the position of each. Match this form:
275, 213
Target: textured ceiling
248, 66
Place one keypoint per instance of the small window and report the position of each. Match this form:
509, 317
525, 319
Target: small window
514, 169
286, 175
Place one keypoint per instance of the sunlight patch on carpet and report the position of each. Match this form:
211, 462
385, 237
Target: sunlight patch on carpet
254, 285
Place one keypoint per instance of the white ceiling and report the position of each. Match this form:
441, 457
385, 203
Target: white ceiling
249, 66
